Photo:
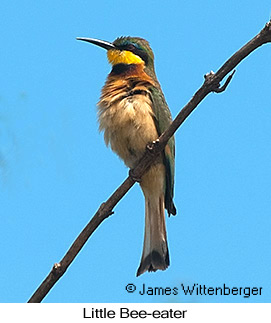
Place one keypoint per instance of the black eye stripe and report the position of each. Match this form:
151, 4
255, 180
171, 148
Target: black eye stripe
137, 51
129, 47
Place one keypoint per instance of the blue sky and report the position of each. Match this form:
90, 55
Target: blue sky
55, 169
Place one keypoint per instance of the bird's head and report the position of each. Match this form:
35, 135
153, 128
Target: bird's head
126, 50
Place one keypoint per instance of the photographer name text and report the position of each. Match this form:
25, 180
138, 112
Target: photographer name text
195, 290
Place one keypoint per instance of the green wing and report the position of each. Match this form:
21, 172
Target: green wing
162, 120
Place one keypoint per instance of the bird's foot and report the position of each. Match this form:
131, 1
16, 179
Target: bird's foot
152, 146
134, 177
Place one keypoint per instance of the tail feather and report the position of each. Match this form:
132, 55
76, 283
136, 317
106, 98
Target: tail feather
155, 254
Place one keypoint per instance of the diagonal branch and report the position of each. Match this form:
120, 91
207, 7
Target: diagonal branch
211, 84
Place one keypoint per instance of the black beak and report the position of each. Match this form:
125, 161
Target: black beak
101, 43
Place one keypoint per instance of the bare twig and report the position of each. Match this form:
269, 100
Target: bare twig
223, 88
211, 84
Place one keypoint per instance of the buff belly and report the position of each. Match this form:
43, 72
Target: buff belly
128, 127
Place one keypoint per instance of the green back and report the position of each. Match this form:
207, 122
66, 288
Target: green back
162, 121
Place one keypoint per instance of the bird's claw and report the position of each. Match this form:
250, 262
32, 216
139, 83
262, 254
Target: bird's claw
151, 146
133, 176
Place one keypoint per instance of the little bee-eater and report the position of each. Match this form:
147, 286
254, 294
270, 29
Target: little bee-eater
133, 113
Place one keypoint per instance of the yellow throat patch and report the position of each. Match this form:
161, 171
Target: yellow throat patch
116, 56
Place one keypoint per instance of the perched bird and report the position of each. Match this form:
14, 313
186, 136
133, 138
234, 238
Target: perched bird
133, 113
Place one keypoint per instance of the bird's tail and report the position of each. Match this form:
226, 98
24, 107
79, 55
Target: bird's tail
155, 250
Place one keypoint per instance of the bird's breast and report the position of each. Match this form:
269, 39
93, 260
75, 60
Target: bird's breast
126, 117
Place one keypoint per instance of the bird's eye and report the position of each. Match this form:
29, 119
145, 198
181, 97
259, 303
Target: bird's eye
130, 47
